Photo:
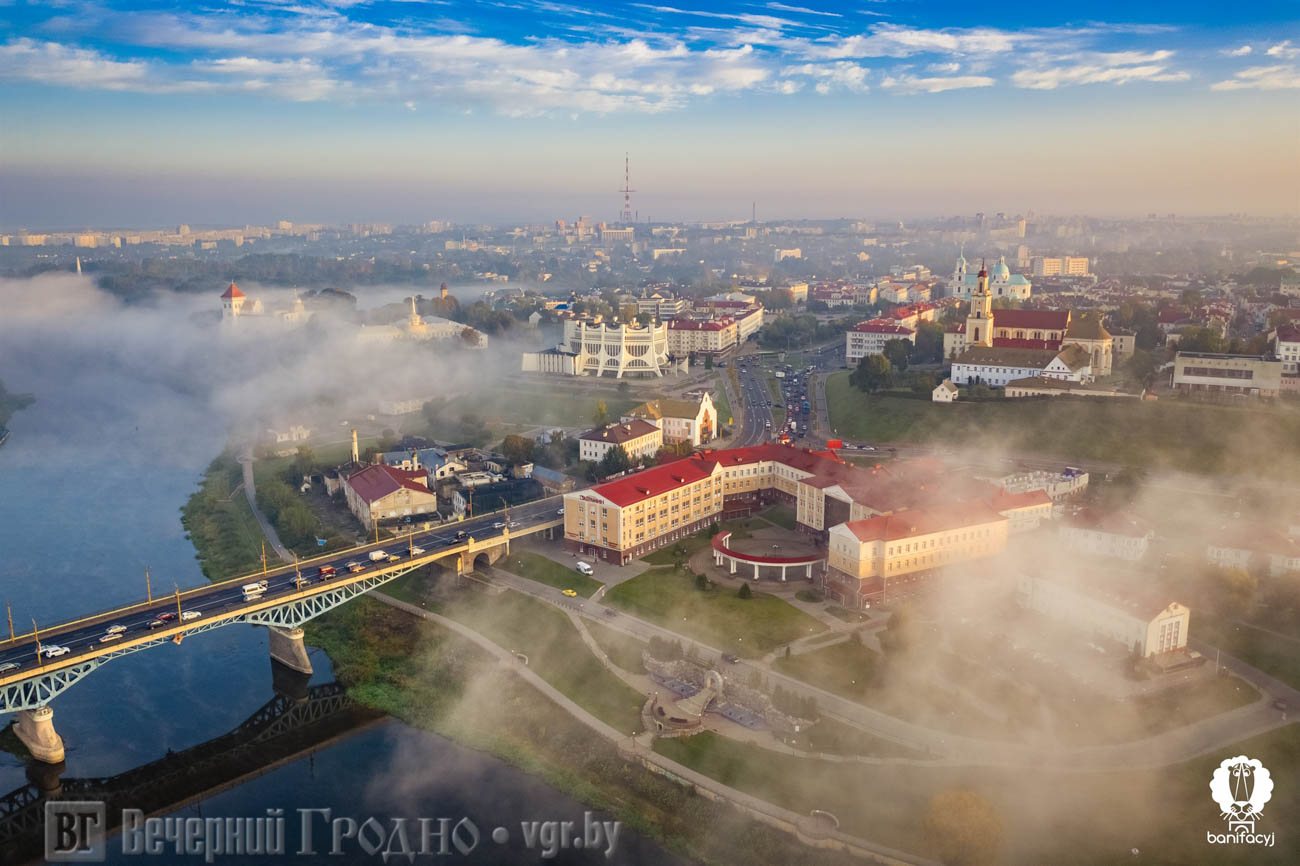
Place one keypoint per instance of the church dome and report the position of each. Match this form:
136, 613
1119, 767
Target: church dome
1000, 270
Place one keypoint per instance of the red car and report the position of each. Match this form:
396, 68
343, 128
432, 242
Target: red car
167, 617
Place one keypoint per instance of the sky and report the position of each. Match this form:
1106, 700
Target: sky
141, 114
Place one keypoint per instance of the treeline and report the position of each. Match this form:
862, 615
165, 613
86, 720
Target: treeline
217, 520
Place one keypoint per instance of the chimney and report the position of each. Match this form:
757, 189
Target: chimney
356, 456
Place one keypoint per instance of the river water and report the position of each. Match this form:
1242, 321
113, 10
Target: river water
91, 484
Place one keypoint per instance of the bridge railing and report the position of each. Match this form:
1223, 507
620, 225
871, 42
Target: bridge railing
204, 589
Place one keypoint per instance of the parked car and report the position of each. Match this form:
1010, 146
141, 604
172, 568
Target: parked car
571, 593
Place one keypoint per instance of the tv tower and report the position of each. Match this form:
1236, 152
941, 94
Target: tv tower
626, 217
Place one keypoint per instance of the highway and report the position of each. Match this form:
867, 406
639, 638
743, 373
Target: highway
85, 637
755, 394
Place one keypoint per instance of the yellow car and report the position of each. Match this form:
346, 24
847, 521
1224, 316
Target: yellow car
571, 593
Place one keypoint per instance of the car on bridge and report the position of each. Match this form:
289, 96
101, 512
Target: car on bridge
113, 635
116, 628
417, 551
498, 525
9, 666
327, 571
355, 566
169, 616
191, 614
460, 533
156, 623
54, 651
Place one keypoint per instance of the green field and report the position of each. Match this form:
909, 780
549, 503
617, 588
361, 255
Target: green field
722, 402
847, 669
543, 570
538, 406
780, 515
1172, 433
221, 525
747, 627
1275, 656
622, 649
1047, 816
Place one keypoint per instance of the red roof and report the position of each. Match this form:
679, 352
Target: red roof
1003, 501
620, 433
1289, 333
379, 480
654, 481
906, 524
232, 292
1050, 320
882, 326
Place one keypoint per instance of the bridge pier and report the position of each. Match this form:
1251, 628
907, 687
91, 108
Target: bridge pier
287, 649
36, 730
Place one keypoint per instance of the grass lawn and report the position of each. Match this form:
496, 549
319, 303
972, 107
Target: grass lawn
846, 668
1110, 722
220, 523
554, 648
538, 406
1047, 816
748, 627
722, 402
698, 541
622, 649
1195, 437
781, 515
536, 567
1273, 655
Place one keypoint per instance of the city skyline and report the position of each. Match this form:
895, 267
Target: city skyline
406, 112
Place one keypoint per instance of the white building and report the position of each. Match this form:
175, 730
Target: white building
997, 366
1286, 346
944, 392
1118, 535
870, 337
638, 438
690, 421
1061, 266
713, 337
1254, 550
621, 350
782, 255
1146, 627
1002, 283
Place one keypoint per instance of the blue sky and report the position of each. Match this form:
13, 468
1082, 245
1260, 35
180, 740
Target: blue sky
522, 109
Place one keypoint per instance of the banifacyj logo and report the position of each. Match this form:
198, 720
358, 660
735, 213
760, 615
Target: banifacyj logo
1241, 786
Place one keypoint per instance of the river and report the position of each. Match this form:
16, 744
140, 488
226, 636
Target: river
91, 484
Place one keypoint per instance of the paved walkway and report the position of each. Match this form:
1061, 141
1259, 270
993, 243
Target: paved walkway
640, 747
1180, 744
250, 491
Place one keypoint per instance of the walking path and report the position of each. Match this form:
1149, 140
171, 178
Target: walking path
640, 747
250, 491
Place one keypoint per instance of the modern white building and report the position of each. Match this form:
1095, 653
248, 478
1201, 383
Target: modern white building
1114, 534
1146, 627
619, 350
870, 337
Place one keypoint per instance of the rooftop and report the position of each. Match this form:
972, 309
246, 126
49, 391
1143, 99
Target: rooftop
620, 433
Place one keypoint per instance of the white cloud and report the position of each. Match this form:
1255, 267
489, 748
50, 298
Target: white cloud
889, 40
843, 74
1284, 50
1237, 52
1120, 67
912, 84
1279, 77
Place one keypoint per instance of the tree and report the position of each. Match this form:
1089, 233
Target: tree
1143, 367
1234, 592
873, 374
303, 462
1190, 299
701, 582
614, 462
897, 351
929, 343
518, 449
965, 827
600, 417
745, 592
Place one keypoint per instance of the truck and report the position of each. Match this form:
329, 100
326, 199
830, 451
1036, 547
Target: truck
327, 571
378, 556
253, 590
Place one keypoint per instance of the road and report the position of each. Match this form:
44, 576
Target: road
85, 637
250, 491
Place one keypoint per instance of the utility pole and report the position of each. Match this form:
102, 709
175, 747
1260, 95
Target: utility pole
37, 635
297, 573
9, 611
148, 587
178, 602
263, 556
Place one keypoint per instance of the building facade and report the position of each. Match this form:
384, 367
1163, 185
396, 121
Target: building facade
638, 439
1203, 373
682, 421
617, 350
870, 337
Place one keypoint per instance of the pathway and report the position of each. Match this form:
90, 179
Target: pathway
640, 747
250, 491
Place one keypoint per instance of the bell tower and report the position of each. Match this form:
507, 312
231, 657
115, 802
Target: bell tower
979, 321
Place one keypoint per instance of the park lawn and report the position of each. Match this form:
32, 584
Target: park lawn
536, 567
1273, 655
622, 649
1047, 816
698, 541
555, 650
1171, 433
847, 668
722, 402
780, 515
1105, 721
537, 406
717, 617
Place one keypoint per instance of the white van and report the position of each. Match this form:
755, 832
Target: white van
253, 590
584, 568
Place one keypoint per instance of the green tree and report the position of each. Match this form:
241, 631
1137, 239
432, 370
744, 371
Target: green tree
614, 462
929, 343
518, 449
701, 582
600, 417
898, 351
874, 373
745, 591
304, 461
965, 828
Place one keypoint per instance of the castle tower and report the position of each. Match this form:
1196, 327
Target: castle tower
443, 290
356, 455
979, 321
232, 302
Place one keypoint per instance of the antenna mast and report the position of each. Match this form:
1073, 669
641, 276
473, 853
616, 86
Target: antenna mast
627, 216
